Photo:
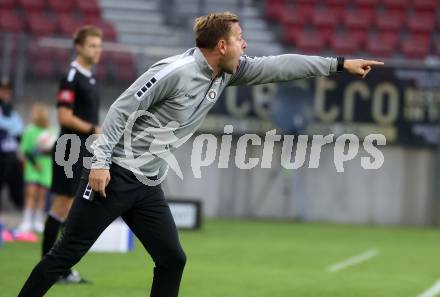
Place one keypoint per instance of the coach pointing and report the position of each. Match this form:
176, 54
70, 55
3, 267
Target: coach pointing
182, 88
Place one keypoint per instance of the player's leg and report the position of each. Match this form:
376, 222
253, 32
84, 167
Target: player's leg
64, 189
38, 223
151, 221
3, 171
56, 217
29, 206
44, 182
86, 221
14, 178
57, 213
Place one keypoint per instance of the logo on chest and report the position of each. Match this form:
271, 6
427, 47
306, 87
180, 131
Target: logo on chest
212, 95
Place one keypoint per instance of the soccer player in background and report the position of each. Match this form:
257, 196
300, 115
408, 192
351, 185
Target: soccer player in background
11, 127
78, 108
36, 147
179, 89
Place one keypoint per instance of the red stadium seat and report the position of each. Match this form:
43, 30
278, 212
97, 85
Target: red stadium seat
290, 34
325, 23
10, 21
101, 71
62, 58
294, 18
344, 44
42, 68
437, 48
359, 36
123, 66
415, 47
395, 4
37, 52
337, 3
121, 58
42, 64
64, 6
359, 19
89, 8
307, 2
108, 30
366, 3
125, 74
389, 22
32, 5
425, 5
390, 38
68, 24
381, 46
7, 4
325, 18
41, 24
62, 55
310, 43
422, 23
274, 11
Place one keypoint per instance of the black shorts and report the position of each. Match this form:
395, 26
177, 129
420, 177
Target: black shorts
61, 184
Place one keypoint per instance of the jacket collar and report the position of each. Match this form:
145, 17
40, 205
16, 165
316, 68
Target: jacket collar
202, 62
81, 69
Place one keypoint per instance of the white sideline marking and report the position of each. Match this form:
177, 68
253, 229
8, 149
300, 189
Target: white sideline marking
431, 292
354, 260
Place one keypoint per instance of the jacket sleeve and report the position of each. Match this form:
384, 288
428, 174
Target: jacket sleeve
261, 70
146, 91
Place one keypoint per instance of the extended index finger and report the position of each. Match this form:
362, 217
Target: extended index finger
373, 63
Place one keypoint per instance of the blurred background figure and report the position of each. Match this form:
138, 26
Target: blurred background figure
77, 113
36, 146
11, 126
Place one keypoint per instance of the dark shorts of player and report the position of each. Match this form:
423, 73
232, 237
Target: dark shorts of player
61, 184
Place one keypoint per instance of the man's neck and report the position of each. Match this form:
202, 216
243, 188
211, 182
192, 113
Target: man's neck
83, 63
213, 60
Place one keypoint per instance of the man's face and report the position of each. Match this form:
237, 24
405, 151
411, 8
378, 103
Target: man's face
5, 94
90, 51
233, 50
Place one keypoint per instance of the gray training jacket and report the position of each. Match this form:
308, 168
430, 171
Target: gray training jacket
167, 104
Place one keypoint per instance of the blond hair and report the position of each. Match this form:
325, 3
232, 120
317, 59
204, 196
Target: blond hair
42, 115
80, 35
209, 29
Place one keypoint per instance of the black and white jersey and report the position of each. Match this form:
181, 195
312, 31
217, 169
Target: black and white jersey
79, 91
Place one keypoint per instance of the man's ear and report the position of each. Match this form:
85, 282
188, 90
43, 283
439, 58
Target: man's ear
78, 48
221, 45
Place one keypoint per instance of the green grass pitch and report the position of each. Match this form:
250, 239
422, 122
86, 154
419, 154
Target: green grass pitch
258, 259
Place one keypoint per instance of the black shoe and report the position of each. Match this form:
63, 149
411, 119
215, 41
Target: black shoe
72, 278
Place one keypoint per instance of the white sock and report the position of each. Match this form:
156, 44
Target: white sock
27, 215
39, 216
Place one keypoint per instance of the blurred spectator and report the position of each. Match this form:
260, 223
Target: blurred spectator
36, 147
11, 126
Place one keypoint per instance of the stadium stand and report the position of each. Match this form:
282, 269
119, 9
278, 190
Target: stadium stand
60, 7
383, 29
261, 39
10, 21
58, 19
386, 29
